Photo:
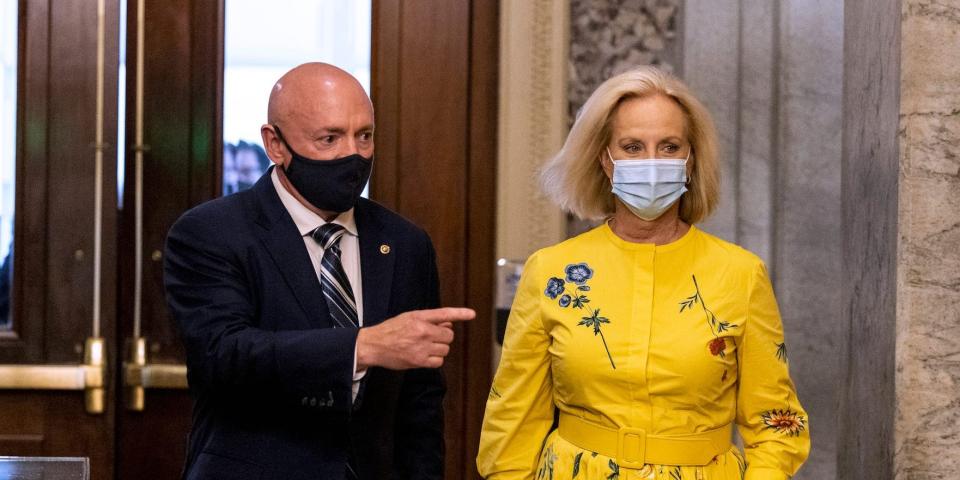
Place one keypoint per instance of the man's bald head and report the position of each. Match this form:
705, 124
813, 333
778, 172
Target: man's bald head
309, 86
321, 112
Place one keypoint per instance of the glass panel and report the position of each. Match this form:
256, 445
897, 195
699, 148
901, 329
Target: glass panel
45, 468
8, 153
122, 104
260, 46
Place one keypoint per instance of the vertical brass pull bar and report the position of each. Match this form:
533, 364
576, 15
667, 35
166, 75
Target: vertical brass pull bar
134, 396
95, 363
138, 150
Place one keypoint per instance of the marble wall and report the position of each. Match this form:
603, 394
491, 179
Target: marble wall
771, 74
928, 274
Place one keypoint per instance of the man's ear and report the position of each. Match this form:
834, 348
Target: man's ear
276, 151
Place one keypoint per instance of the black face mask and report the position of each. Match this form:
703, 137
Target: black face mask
331, 185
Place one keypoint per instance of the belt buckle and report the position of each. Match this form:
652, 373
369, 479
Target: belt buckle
631, 447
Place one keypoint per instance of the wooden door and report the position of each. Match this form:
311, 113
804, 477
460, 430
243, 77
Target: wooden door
63, 276
435, 98
434, 88
44, 387
180, 150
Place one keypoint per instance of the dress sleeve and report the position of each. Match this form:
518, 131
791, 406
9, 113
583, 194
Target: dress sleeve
520, 407
773, 424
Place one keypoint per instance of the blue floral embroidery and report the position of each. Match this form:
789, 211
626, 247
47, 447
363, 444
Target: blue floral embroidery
554, 287
578, 273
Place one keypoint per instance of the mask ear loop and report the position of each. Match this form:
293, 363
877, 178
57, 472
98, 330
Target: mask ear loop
685, 161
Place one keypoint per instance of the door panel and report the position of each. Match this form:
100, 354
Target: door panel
434, 87
181, 132
53, 293
434, 93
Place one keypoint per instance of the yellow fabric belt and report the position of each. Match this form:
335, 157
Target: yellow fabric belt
633, 447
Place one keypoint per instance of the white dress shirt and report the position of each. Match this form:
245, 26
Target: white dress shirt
306, 222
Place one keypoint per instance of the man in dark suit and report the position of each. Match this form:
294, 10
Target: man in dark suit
308, 313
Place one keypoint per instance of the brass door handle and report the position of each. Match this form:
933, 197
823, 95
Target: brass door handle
138, 375
155, 375
90, 376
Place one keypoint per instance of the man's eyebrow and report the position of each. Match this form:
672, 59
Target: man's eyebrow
328, 131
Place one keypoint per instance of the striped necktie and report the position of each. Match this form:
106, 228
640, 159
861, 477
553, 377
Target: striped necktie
333, 279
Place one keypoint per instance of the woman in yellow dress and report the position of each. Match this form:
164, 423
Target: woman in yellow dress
649, 337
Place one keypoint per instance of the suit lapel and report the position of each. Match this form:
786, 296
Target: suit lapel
284, 243
376, 263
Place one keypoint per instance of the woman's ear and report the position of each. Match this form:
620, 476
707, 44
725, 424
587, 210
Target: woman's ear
606, 163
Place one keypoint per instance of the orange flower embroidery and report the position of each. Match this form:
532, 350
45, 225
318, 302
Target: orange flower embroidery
717, 345
785, 422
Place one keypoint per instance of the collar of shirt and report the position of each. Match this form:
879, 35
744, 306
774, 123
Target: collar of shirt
306, 220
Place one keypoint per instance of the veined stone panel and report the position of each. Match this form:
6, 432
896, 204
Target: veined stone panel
928, 273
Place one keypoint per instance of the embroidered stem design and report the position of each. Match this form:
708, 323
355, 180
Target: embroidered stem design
594, 321
781, 351
716, 325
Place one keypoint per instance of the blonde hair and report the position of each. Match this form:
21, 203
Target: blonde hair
574, 177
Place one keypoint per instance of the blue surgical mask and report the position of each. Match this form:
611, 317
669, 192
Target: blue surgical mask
649, 187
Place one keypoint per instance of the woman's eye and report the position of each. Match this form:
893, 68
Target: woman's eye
671, 148
632, 148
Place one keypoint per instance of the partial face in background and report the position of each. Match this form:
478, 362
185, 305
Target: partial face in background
647, 127
248, 166
229, 170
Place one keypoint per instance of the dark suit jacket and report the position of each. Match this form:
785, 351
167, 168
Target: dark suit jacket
270, 377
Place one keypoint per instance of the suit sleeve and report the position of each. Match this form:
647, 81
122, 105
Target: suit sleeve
773, 424
211, 300
520, 407
419, 444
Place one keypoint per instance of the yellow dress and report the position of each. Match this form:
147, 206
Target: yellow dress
666, 340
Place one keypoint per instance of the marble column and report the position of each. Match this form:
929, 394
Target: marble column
901, 191
928, 253
869, 190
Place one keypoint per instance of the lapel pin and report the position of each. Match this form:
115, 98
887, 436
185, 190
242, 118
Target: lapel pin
384, 249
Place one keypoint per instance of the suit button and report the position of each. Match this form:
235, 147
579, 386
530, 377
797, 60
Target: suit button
313, 401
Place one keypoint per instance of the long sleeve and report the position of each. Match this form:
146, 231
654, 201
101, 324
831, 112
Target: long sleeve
773, 424
212, 302
520, 407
